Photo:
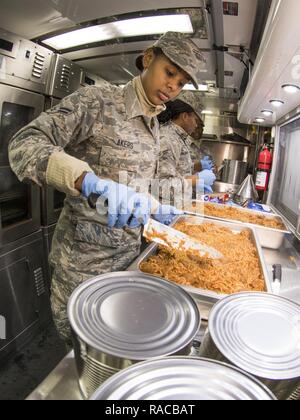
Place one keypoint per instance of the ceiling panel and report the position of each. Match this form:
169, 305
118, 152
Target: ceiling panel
107, 61
29, 18
82, 11
238, 29
107, 50
237, 68
117, 69
34, 18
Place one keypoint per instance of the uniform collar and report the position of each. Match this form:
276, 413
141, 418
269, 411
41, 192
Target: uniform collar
195, 143
182, 133
133, 105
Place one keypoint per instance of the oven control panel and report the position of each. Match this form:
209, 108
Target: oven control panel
65, 77
23, 63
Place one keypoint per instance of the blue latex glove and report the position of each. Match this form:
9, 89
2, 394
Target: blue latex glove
206, 180
208, 190
206, 163
165, 214
259, 207
125, 206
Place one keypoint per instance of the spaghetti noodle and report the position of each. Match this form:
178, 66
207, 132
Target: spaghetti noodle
238, 271
233, 213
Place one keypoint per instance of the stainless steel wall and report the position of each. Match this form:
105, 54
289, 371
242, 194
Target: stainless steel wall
221, 150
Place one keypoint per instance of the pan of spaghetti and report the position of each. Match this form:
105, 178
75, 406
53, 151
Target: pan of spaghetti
270, 228
242, 269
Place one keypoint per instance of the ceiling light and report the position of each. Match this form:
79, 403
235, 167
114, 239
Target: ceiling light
259, 120
207, 112
152, 25
267, 112
276, 103
201, 88
291, 88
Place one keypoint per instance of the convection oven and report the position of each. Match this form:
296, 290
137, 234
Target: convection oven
24, 292
19, 202
24, 297
24, 68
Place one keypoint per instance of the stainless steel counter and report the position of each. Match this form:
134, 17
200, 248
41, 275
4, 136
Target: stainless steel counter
62, 383
289, 258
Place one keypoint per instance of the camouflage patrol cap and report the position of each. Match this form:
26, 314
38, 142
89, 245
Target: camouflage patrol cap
192, 99
183, 52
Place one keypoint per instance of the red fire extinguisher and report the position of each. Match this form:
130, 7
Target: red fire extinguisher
265, 160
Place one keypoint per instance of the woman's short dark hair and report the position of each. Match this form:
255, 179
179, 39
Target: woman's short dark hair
139, 63
139, 60
174, 109
157, 51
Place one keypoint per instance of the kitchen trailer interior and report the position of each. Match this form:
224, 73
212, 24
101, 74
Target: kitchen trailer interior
250, 93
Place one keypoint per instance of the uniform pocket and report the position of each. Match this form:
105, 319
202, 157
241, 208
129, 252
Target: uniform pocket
96, 234
123, 159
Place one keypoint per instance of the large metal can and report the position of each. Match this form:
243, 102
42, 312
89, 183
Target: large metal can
260, 334
180, 378
119, 319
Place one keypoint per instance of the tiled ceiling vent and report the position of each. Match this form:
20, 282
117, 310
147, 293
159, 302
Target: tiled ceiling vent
230, 8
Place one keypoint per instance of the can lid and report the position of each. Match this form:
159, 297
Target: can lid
259, 333
133, 315
181, 378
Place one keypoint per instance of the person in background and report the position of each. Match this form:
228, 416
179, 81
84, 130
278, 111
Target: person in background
180, 120
196, 140
86, 145
200, 157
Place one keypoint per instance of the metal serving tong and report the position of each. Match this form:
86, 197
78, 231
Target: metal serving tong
162, 234
172, 238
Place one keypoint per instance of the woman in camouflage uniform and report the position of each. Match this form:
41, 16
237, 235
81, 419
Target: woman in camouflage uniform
81, 146
177, 173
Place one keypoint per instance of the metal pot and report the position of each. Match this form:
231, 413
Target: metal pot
119, 319
233, 171
222, 188
179, 378
258, 333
